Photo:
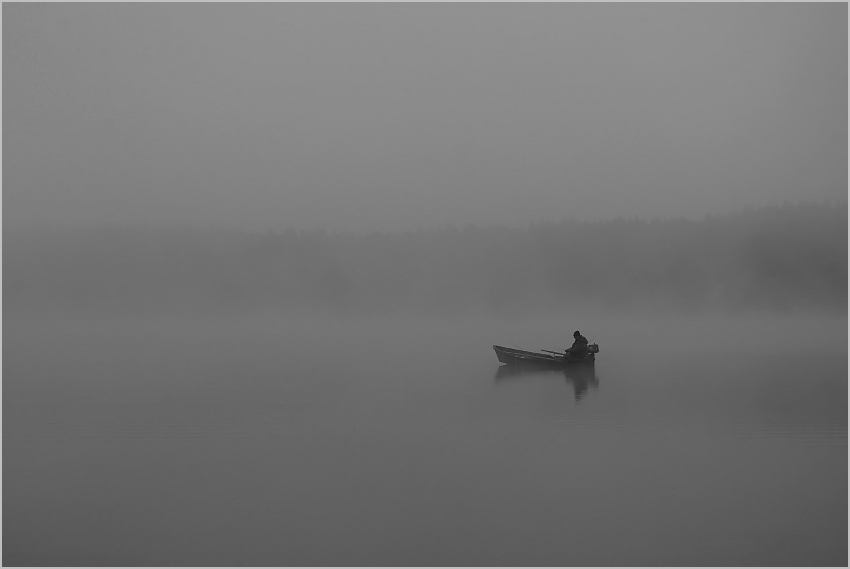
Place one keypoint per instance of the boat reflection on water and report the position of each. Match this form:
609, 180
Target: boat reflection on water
582, 377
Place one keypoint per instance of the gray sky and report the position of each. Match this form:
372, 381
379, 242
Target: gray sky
397, 116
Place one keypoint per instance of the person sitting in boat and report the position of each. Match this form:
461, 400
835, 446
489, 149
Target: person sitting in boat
578, 351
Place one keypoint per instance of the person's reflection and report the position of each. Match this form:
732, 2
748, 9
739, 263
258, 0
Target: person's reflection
582, 377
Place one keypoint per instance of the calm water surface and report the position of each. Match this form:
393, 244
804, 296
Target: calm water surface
272, 440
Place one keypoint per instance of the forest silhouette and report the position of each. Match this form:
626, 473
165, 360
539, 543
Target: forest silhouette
792, 256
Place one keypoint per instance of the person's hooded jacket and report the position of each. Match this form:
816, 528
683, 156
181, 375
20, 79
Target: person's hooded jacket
579, 348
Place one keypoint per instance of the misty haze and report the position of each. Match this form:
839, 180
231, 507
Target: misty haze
256, 258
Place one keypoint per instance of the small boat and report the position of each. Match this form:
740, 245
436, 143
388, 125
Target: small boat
517, 357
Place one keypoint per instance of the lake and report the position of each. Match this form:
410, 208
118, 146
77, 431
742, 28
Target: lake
272, 439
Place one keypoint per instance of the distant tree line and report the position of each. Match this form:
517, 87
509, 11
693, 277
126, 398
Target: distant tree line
790, 256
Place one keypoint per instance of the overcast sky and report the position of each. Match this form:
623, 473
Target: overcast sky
398, 116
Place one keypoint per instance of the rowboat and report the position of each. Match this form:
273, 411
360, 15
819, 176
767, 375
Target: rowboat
517, 357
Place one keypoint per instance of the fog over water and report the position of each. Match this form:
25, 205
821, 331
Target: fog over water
275, 440
256, 258
312, 399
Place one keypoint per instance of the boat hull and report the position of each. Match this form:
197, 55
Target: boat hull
517, 357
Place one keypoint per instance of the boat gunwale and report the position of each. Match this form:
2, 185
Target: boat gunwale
520, 357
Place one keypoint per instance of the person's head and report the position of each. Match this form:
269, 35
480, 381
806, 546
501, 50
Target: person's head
576, 334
